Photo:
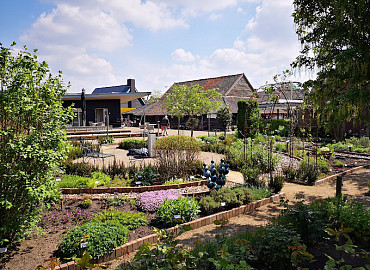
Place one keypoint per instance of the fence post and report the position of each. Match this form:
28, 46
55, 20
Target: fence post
339, 185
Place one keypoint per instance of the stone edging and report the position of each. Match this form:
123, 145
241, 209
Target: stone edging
195, 224
130, 189
332, 178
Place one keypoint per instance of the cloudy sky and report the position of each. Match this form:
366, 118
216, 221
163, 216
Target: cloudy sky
103, 42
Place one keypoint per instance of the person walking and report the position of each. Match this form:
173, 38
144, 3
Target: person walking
165, 125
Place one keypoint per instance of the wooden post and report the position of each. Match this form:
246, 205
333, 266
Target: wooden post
338, 192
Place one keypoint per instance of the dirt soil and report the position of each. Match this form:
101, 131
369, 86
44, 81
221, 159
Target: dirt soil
31, 252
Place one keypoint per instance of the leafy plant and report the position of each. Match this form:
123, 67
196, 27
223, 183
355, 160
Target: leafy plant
149, 201
227, 196
106, 140
166, 254
177, 156
276, 183
338, 163
147, 176
84, 262
32, 138
133, 144
86, 203
103, 237
290, 173
208, 205
251, 177
259, 193
129, 219
186, 208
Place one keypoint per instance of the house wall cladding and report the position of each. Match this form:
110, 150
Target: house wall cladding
113, 106
241, 89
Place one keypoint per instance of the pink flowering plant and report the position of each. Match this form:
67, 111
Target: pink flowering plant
150, 201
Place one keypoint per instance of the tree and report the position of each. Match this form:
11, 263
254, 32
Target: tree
191, 101
32, 140
224, 117
154, 96
249, 118
335, 41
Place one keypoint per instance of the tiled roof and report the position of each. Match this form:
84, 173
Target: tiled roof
290, 92
112, 89
232, 102
222, 85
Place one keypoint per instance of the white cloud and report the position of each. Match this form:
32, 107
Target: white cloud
182, 56
215, 17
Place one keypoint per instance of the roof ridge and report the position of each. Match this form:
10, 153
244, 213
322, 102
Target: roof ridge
238, 74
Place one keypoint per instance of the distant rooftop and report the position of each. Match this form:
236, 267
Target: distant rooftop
112, 89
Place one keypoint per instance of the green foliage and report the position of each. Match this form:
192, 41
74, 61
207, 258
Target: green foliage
147, 176
74, 153
276, 183
290, 173
128, 219
133, 144
106, 140
249, 113
177, 156
361, 145
166, 254
191, 100
272, 245
75, 181
338, 163
102, 238
251, 177
86, 203
259, 193
208, 205
32, 138
340, 91
304, 220
280, 147
119, 182
231, 197
186, 208
224, 117
81, 169
308, 172
240, 156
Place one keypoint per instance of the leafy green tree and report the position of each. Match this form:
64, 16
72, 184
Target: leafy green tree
32, 140
224, 117
191, 101
335, 41
249, 118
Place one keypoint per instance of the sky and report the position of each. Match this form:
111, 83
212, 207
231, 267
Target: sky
97, 43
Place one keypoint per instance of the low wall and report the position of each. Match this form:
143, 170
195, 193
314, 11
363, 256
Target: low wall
332, 178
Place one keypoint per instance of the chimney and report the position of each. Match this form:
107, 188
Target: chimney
131, 83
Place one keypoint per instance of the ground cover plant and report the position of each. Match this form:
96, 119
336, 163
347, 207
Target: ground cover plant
150, 201
360, 145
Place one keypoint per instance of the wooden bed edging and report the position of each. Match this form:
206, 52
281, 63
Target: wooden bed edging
195, 224
332, 178
130, 189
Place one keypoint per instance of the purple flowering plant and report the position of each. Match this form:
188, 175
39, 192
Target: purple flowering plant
150, 201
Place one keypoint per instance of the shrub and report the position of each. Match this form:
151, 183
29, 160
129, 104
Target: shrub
338, 163
133, 144
227, 196
308, 172
290, 173
147, 176
272, 245
243, 194
100, 237
75, 181
119, 182
86, 203
81, 169
208, 205
106, 139
149, 201
259, 193
276, 183
128, 219
116, 169
186, 208
100, 179
250, 176
176, 156
74, 153
280, 147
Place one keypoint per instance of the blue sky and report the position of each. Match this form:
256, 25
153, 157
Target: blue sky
103, 42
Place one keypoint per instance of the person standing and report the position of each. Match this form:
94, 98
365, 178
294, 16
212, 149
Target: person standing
165, 125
